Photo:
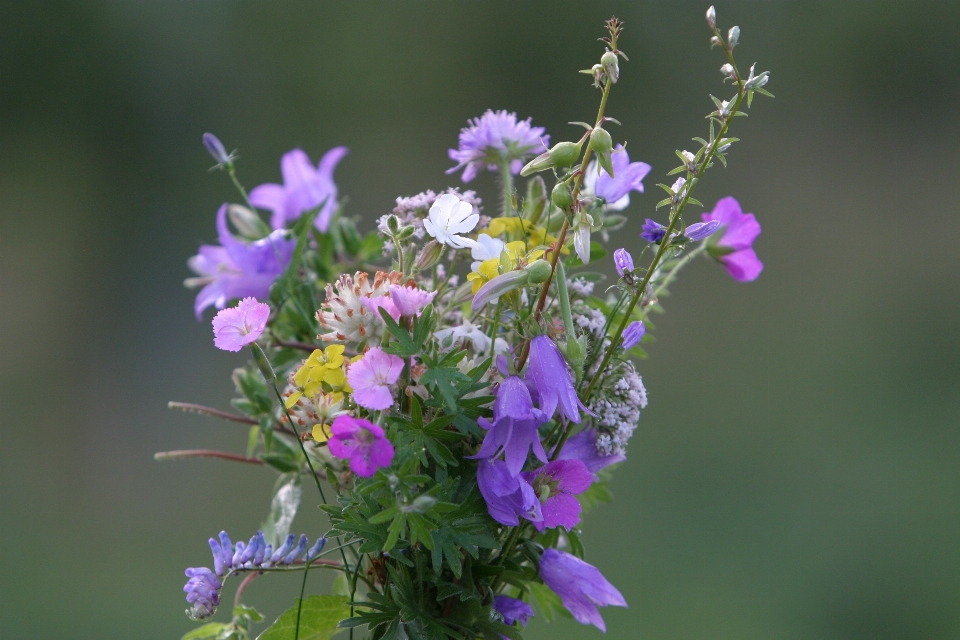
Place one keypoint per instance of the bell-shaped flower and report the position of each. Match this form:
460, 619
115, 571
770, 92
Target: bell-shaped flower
583, 447
735, 248
448, 217
581, 586
508, 497
547, 371
237, 269
512, 610
304, 187
557, 484
514, 427
616, 191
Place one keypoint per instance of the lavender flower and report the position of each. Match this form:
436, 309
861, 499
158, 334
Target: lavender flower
363, 442
623, 261
581, 586
616, 191
653, 231
237, 269
735, 248
632, 334
410, 301
583, 447
616, 403
556, 485
514, 427
239, 326
700, 230
512, 610
548, 372
203, 592
508, 497
494, 138
303, 188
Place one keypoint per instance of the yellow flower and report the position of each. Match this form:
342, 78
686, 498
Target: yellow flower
512, 224
489, 269
322, 366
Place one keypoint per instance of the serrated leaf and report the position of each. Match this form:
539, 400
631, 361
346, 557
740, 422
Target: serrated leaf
209, 630
319, 617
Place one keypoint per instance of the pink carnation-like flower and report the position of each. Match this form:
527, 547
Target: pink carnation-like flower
362, 442
238, 326
371, 378
410, 301
374, 304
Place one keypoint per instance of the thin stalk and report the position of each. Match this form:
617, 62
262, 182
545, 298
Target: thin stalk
506, 177
243, 192
204, 453
199, 408
303, 587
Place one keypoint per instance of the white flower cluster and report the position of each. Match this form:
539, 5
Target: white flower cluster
617, 406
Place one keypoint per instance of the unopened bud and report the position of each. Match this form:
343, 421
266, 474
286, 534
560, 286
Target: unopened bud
611, 66
423, 503
538, 271
216, 149
623, 261
561, 196
733, 37
429, 255
562, 154
393, 224
712, 17
727, 70
247, 222
600, 140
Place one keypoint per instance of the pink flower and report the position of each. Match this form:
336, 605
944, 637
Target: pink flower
371, 378
362, 442
735, 249
374, 304
410, 300
239, 326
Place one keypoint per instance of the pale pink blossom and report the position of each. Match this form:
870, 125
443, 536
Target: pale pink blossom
238, 326
371, 378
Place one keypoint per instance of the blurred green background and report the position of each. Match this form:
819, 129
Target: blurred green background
797, 473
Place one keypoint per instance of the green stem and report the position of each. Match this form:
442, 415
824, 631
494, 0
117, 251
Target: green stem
673, 273
506, 177
303, 587
495, 325
243, 192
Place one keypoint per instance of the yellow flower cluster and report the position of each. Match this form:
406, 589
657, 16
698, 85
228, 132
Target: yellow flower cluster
323, 380
514, 254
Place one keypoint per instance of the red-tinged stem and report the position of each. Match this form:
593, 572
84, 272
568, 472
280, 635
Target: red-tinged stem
204, 453
199, 408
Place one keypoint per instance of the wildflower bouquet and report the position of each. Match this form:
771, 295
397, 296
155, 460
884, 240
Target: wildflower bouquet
455, 385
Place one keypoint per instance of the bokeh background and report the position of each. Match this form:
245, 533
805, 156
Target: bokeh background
797, 474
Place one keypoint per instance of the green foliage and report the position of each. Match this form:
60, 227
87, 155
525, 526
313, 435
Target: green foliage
318, 618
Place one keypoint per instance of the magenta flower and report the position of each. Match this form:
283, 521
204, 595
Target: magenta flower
493, 138
238, 326
384, 302
616, 191
410, 300
581, 586
362, 442
237, 269
735, 248
583, 447
508, 497
303, 188
548, 372
371, 378
557, 484
514, 427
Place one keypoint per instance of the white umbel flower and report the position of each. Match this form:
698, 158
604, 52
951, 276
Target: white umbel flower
450, 216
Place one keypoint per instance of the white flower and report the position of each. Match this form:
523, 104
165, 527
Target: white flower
448, 217
475, 335
486, 249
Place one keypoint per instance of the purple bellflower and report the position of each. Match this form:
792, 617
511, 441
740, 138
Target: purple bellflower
547, 370
616, 191
514, 427
581, 586
557, 484
507, 496
362, 442
512, 610
238, 326
496, 137
653, 231
623, 261
700, 230
237, 269
735, 248
583, 447
304, 187
632, 334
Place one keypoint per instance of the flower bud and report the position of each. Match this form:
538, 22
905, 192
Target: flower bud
504, 283
733, 37
701, 230
562, 154
623, 261
393, 223
632, 334
215, 148
538, 271
247, 222
429, 255
728, 71
712, 17
611, 66
561, 196
600, 140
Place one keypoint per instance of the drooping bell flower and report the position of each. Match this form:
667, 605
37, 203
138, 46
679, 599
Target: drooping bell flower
583, 447
557, 484
735, 248
581, 586
514, 427
304, 187
512, 610
547, 370
508, 497
616, 191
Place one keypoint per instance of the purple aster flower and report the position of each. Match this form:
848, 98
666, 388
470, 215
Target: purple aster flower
237, 269
514, 427
512, 610
363, 442
616, 191
623, 261
493, 138
581, 586
507, 496
632, 334
371, 378
583, 447
736, 245
203, 592
547, 370
238, 326
700, 230
653, 231
557, 484
410, 301
303, 188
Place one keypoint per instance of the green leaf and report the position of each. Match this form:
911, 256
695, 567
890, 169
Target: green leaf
280, 462
319, 618
547, 602
209, 630
250, 612
283, 508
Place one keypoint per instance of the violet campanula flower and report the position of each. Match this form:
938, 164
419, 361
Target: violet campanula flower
623, 261
371, 377
237, 269
493, 138
583, 447
700, 230
514, 427
653, 231
632, 334
236, 327
616, 191
581, 586
548, 372
363, 442
735, 248
557, 484
304, 187
508, 497
410, 301
512, 610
